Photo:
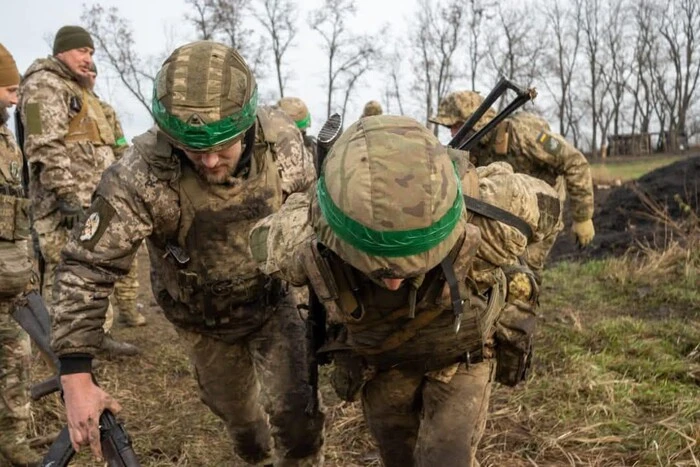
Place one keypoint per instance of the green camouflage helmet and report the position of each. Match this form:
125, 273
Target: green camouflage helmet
297, 111
389, 200
372, 108
458, 106
205, 96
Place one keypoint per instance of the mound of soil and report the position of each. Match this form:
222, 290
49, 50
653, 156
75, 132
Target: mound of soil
623, 219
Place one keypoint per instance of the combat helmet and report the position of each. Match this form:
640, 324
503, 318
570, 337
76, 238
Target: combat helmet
372, 108
456, 108
205, 96
297, 111
389, 200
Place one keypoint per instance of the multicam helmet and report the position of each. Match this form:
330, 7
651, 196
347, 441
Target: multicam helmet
205, 96
297, 111
389, 200
458, 106
372, 108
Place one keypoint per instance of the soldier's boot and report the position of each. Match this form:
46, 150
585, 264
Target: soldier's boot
315, 460
20, 455
129, 314
112, 348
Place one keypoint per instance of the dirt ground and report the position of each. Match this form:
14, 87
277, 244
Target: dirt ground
624, 216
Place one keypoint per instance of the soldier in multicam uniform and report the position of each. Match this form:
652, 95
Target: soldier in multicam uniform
15, 278
192, 187
388, 248
526, 142
299, 112
372, 108
68, 143
127, 288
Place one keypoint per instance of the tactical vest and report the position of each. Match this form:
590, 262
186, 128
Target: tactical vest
207, 268
90, 124
15, 266
413, 327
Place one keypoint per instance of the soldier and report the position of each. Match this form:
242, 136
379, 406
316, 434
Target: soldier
297, 111
15, 278
192, 187
127, 288
372, 108
388, 248
526, 142
68, 143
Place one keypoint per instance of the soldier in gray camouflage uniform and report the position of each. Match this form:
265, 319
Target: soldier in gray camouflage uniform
526, 142
15, 278
68, 143
299, 112
192, 187
390, 251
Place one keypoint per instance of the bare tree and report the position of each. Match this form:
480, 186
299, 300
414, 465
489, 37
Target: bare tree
204, 18
393, 67
278, 17
646, 62
619, 68
115, 42
679, 28
565, 29
478, 11
350, 55
437, 35
592, 27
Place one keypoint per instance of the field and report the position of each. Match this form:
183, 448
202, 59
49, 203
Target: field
629, 169
616, 380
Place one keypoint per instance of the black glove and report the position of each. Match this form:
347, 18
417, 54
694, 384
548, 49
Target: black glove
71, 211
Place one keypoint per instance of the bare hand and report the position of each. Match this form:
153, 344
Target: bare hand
84, 403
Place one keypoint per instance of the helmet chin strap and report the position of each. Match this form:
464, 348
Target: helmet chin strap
248, 147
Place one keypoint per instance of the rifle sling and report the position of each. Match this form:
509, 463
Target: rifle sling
494, 212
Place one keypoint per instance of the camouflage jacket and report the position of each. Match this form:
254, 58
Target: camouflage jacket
525, 141
67, 139
120, 142
197, 237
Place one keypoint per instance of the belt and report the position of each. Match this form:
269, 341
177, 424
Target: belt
427, 364
10, 190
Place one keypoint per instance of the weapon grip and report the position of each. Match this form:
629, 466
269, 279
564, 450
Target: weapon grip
61, 451
116, 444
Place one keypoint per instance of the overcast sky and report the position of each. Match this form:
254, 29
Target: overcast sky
29, 27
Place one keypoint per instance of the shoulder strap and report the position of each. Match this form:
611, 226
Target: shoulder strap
494, 212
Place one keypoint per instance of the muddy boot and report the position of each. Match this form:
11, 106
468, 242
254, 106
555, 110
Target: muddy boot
112, 348
20, 455
129, 314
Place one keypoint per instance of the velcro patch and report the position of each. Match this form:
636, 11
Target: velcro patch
33, 117
549, 143
96, 223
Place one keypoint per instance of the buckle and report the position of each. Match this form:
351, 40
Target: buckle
220, 288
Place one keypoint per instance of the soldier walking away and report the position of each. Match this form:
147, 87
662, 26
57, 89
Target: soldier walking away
68, 144
191, 187
16, 278
387, 246
526, 142
299, 112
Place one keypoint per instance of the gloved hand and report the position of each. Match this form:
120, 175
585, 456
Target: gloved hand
584, 232
71, 211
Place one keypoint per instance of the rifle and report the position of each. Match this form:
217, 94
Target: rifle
504, 84
33, 317
19, 134
316, 321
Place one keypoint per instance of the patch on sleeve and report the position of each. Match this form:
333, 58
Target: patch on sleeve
96, 223
258, 243
549, 143
33, 117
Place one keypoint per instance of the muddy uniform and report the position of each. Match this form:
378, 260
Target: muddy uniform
424, 380
15, 276
68, 143
245, 336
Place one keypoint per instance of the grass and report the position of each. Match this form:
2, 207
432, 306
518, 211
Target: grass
616, 380
630, 169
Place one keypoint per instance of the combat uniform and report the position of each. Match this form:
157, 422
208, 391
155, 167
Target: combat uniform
245, 335
68, 143
299, 112
526, 142
16, 277
389, 205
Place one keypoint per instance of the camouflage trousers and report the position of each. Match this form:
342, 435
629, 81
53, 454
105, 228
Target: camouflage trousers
15, 358
264, 373
429, 419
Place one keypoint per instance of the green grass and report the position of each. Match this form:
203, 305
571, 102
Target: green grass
625, 170
615, 379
